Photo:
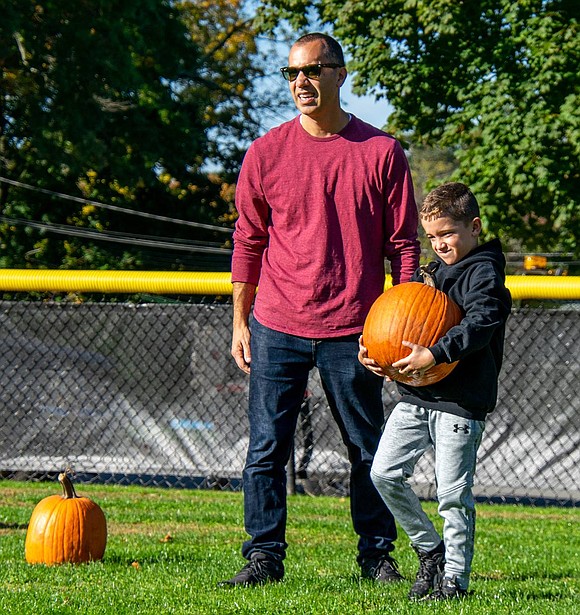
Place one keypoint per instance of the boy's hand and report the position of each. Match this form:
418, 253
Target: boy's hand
417, 363
370, 364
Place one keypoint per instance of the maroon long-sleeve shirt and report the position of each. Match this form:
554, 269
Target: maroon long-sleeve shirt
317, 217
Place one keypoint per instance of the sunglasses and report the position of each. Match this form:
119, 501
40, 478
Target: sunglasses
310, 71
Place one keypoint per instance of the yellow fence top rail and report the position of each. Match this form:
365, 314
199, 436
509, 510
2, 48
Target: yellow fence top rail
218, 283
90, 281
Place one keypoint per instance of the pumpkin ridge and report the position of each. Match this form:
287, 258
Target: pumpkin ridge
442, 316
429, 300
41, 528
74, 530
84, 535
411, 332
54, 530
439, 319
61, 536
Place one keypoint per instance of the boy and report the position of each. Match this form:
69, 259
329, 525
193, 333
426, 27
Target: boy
448, 415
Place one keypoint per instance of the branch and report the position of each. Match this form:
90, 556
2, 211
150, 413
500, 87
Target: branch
237, 27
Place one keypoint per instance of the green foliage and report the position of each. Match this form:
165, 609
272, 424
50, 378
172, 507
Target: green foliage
497, 81
234, 68
122, 103
168, 548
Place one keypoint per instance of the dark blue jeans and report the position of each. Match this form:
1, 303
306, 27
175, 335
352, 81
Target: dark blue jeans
278, 378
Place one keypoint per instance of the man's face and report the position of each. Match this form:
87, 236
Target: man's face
450, 239
315, 96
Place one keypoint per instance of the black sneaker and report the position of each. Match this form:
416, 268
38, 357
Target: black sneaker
382, 569
447, 590
260, 569
430, 573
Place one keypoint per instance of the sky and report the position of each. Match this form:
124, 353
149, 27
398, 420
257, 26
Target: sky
365, 107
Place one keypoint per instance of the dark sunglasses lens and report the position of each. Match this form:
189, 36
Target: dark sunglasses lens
289, 73
312, 71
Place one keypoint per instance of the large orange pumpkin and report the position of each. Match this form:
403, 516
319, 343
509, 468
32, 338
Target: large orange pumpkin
412, 312
66, 528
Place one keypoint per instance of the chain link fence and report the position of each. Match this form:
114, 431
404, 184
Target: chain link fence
148, 393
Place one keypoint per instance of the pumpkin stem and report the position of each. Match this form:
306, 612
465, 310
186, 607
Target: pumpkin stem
68, 490
427, 277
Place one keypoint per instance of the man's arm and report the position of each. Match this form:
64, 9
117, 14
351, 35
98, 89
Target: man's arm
243, 297
402, 246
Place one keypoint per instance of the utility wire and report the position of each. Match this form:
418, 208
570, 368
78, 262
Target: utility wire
125, 210
142, 240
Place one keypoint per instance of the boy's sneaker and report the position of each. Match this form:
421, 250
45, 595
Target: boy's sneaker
382, 569
430, 573
447, 590
261, 568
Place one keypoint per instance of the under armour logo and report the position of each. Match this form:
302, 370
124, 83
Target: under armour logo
463, 428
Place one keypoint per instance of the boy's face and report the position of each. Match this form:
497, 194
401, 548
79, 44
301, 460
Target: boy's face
452, 240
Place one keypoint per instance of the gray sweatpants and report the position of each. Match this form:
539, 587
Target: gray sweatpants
409, 432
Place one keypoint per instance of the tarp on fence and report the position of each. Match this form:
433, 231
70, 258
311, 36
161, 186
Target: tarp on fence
151, 390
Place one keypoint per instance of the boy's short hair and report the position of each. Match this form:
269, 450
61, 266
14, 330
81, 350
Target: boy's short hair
333, 50
451, 200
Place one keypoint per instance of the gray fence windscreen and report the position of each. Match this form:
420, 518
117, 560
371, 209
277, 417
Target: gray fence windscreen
149, 393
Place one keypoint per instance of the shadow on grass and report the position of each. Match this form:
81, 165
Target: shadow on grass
524, 577
13, 526
518, 587
555, 593
144, 559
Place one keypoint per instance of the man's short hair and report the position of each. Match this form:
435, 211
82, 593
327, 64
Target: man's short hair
333, 49
451, 200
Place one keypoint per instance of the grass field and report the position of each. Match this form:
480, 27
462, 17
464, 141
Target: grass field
168, 548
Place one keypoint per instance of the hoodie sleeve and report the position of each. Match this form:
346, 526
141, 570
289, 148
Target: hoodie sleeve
486, 304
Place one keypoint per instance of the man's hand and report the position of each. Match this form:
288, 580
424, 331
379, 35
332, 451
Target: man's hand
243, 297
241, 347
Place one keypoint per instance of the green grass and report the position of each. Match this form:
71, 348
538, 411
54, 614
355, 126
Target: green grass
168, 548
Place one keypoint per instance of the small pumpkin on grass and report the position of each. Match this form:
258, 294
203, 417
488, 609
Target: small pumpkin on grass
66, 529
412, 312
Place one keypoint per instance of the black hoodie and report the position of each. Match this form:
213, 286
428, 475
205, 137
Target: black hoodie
477, 284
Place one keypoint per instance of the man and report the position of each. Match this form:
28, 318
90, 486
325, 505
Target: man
322, 200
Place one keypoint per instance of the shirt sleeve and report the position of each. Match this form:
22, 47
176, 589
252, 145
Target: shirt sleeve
402, 247
251, 233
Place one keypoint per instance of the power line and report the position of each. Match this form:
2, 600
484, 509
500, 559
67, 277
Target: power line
142, 240
124, 210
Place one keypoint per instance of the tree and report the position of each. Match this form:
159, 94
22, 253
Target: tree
497, 81
122, 103
234, 69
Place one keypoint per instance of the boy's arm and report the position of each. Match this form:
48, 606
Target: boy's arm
486, 303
